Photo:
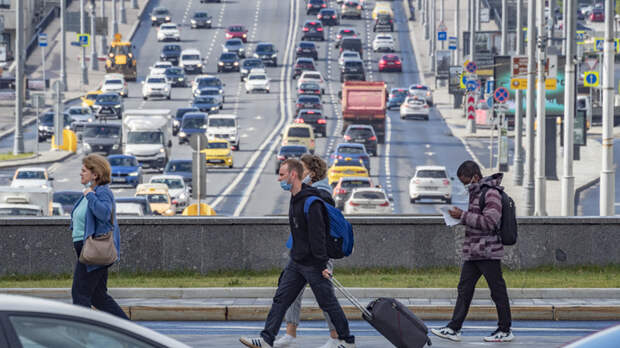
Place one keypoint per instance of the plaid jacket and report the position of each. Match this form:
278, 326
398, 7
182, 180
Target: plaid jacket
481, 242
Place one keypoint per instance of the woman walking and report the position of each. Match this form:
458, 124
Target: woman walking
94, 214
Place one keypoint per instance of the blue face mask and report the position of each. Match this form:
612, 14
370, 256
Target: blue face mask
285, 185
88, 184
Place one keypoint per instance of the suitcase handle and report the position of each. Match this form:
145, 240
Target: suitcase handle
350, 296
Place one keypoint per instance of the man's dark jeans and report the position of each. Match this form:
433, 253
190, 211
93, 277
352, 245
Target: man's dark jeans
470, 273
91, 288
292, 280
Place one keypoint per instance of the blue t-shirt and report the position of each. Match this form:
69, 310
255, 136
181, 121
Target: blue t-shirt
79, 220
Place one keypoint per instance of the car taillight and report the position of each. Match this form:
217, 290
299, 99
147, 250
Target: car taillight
324, 5
382, 62
300, 90
306, 29
347, 137
373, 138
299, 120
446, 182
342, 191
298, 105
319, 16
353, 204
385, 204
339, 36
417, 182
309, 5
317, 92
333, 17
321, 121
359, 7
299, 49
175, 202
428, 93
426, 106
319, 29
340, 157
391, 21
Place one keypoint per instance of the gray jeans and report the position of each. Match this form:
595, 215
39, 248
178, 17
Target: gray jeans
293, 314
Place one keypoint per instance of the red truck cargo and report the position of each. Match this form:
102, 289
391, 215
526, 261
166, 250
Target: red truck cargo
364, 102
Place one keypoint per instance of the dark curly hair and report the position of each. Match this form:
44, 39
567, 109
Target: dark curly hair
316, 166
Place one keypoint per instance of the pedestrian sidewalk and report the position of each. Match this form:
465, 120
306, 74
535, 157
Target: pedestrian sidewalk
248, 304
586, 171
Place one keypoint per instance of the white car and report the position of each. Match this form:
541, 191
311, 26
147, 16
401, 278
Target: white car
414, 107
57, 209
81, 115
191, 61
178, 191
129, 209
348, 55
156, 86
31, 177
159, 68
168, 31
115, 83
368, 201
36, 322
312, 76
430, 182
257, 81
224, 127
384, 43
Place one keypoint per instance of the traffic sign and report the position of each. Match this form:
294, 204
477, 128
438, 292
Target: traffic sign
453, 42
580, 36
490, 85
463, 81
550, 84
472, 85
83, 39
591, 62
590, 79
442, 35
471, 67
490, 102
518, 83
42, 40
501, 95
471, 108
599, 44
519, 66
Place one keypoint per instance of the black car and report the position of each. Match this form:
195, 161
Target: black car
228, 62
308, 102
309, 88
67, 199
160, 15
248, 65
176, 122
352, 70
344, 32
142, 200
383, 23
201, 20
307, 50
352, 44
266, 52
170, 53
313, 30
289, 151
46, 125
328, 16
108, 105
315, 118
314, 6
362, 134
301, 65
209, 82
176, 76
180, 167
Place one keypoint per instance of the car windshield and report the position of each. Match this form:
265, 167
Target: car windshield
204, 100
101, 132
433, 174
120, 49
172, 183
360, 132
67, 198
355, 183
384, 38
161, 11
309, 86
201, 15
328, 12
14, 211
183, 111
190, 57
399, 92
306, 45
185, 166
301, 132
122, 162
174, 71
252, 63
309, 100
79, 111
233, 43
258, 77
369, 195
312, 76
107, 98
156, 80
113, 82
264, 48
297, 150
157, 198
348, 164
172, 48
144, 138
349, 54
228, 56
193, 122
34, 174
209, 82
419, 88
217, 145
209, 92
235, 28
351, 150
353, 64
91, 96
221, 122
168, 27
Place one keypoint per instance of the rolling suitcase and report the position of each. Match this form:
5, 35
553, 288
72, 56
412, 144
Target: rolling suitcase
392, 319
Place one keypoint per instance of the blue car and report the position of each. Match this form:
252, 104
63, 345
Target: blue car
125, 170
397, 97
180, 167
350, 152
193, 122
208, 104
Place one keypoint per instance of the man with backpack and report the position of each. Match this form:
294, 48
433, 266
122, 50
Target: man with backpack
308, 262
482, 250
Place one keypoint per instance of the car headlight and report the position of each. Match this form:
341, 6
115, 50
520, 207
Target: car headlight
115, 147
87, 147
41, 128
221, 91
199, 65
214, 108
162, 150
176, 122
275, 55
117, 106
256, 55
167, 18
154, 18
220, 63
133, 174
193, 21
236, 63
90, 119
182, 134
182, 196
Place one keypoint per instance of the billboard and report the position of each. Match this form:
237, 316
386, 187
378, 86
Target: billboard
502, 72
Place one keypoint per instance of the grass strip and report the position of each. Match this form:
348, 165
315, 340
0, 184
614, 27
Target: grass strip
10, 156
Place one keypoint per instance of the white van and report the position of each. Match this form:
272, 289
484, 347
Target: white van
224, 127
191, 61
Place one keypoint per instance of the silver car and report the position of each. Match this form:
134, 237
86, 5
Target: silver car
414, 107
351, 9
422, 91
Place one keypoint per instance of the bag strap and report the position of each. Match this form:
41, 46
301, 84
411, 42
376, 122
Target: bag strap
483, 194
309, 202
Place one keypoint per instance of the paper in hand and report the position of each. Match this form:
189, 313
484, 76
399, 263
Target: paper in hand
450, 221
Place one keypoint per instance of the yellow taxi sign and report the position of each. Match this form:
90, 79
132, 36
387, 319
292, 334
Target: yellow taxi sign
518, 83
550, 84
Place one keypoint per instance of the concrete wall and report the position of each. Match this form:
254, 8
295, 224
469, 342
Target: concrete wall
43, 245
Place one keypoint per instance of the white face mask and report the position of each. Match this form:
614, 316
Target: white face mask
306, 180
467, 186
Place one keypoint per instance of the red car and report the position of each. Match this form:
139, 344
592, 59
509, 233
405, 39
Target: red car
390, 62
597, 15
237, 31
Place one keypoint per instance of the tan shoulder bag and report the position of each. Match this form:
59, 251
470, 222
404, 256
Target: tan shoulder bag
100, 250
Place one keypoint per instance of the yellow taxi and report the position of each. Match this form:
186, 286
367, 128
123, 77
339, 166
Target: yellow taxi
158, 197
299, 134
89, 98
382, 8
218, 153
344, 168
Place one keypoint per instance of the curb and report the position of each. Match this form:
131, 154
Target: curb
30, 161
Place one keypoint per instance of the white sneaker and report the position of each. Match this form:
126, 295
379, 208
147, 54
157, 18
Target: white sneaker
254, 342
447, 333
500, 336
343, 344
331, 343
285, 341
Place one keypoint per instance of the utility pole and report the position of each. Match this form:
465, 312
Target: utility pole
531, 102
94, 62
114, 19
518, 150
477, 7
442, 20
123, 13
83, 30
134, 4
457, 33
607, 167
540, 188
433, 34
426, 20
504, 47
471, 123
18, 138
568, 180
63, 45
104, 40
565, 13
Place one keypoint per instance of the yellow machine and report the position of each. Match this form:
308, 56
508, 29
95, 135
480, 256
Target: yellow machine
121, 59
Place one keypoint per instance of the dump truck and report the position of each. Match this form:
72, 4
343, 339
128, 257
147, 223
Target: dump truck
147, 135
121, 59
364, 102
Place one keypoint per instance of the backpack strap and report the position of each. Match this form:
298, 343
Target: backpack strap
309, 202
483, 194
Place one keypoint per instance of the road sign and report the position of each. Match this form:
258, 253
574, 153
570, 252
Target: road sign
580, 36
599, 44
470, 106
463, 81
472, 85
485, 15
42, 40
550, 84
490, 102
83, 39
591, 62
471, 67
442, 35
453, 42
500, 95
519, 66
518, 83
590, 79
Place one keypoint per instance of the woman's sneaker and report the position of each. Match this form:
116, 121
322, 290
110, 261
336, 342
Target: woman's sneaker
285, 341
500, 336
254, 342
331, 343
447, 333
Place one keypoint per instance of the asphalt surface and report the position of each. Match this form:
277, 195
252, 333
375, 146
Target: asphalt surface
315, 333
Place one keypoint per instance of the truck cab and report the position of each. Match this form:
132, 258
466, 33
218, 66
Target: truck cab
147, 135
224, 127
26, 201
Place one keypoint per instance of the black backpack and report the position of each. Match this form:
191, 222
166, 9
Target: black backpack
507, 230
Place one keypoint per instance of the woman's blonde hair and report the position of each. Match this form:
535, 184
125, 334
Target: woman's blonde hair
316, 166
100, 166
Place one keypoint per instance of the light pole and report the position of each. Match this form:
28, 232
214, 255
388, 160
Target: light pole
114, 18
18, 138
433, 34
94, 62
518, 149
607, 164
63, 45
457, 32
123, 13
568, 180
426, 20
529, 113
540, 188
83, 30
504, 47
104, 40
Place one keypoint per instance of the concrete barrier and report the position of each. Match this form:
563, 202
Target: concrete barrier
206, 244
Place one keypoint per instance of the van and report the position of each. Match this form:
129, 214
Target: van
224, 127
191, 61
299, 134
158, 197
382, 8
352, 44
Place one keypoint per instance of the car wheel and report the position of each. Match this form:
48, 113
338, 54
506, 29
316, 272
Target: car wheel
145, 98
168, 97
230, 166
449, 201
413, 200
